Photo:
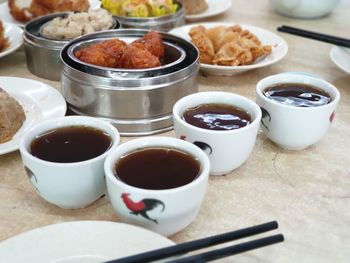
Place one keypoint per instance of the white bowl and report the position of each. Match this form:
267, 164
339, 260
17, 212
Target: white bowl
304, 8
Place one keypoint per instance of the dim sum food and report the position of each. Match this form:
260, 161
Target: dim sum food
146, 52
77, 24
25, 10
193, 7
3, 40
140, 8
11, 116
228, 46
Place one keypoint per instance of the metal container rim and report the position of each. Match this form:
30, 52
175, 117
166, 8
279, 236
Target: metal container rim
153, 20
70, 51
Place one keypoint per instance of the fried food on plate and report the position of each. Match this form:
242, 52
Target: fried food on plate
228, 46
24, 10
11, 116
242, 51
146, 52
232, 54
3, 40
203, 43
221, 35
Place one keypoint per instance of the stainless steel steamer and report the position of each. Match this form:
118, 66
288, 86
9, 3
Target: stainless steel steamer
43, 54
160, 23
136, 103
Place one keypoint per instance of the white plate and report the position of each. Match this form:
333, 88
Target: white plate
80, 241
7, 17
215, 7
39, 102
14, 35
341, 57
279, 48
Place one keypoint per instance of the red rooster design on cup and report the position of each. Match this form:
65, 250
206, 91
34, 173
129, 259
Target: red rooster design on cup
142, 207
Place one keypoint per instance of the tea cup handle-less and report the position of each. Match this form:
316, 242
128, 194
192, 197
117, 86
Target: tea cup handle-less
163, 211
67, 185
227, 150
296, 128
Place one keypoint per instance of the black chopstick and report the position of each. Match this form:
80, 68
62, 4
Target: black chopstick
197, 244
339, 41
230, 250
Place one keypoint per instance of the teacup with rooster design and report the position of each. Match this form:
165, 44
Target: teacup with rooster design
229, 145
158, 183
290, 126
68, 184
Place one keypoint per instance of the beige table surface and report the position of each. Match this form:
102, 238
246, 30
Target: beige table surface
307, 192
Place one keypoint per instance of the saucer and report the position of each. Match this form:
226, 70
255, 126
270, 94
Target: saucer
80, 241
341, 57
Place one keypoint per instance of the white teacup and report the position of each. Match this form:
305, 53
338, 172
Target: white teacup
165, 211
67, 185
226, 149
291, 127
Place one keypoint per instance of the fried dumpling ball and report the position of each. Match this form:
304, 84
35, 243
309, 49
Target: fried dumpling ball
104, 54
145, 52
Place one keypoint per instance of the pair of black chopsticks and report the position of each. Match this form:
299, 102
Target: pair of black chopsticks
344, 42
180, 249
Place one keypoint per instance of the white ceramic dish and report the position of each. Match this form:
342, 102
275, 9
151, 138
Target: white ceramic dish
14, 35
39, 102
341, 57
6, 16
80, 241
279, 48
215, 7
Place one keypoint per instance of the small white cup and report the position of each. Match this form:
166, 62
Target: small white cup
178, 206
226, 150
295, 128
67, 185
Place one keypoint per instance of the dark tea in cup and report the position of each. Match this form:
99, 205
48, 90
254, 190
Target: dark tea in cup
298, 108
297, 95
157, 182
64, 159
157, 168
217, 116
223, 124
70, 144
